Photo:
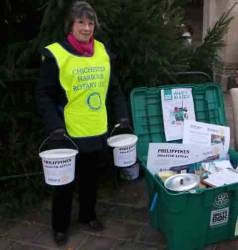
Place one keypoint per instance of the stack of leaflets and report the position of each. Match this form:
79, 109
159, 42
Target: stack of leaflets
205, 134
220, 173
201, 142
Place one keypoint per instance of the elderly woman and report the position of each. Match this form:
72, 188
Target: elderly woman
71, 98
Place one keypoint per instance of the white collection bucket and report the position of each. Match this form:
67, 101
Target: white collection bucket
124, 149
130, 173
58, 164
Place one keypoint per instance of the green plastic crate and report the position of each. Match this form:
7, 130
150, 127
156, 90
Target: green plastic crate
190, 221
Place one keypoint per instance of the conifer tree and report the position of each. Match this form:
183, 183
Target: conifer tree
143, 35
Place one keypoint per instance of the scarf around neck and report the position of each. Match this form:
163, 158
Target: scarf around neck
83, 48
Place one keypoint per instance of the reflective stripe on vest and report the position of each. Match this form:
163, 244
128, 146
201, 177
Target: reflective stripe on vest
85, 81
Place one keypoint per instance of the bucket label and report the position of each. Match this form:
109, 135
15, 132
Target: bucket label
124, 156
59, 171
219, 217
48, 163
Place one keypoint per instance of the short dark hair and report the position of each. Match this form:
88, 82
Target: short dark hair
78, 9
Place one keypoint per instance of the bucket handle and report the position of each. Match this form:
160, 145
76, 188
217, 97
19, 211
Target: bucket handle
117, 126
46, 139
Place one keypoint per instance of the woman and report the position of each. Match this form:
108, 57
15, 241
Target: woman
71, 98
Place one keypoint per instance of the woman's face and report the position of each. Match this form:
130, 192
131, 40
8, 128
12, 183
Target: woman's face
83, 29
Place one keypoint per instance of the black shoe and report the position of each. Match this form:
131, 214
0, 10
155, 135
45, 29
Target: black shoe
60, 238
93, 225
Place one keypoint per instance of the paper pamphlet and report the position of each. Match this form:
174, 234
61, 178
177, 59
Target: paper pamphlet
220, 178
206, 134
163, 156
177, 106
216, 166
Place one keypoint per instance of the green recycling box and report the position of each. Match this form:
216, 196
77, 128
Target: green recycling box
190, 221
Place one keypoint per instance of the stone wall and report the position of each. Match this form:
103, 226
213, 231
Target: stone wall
228, 56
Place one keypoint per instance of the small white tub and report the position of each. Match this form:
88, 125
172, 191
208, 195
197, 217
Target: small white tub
124, 149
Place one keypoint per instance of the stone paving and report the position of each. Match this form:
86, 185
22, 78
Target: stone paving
123, 209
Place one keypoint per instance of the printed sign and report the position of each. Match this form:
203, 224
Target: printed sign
163, 156
219, 217
177, 106
206, 134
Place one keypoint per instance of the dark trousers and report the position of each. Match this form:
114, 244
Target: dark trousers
87, 168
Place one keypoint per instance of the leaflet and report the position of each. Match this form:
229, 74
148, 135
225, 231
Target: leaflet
220, 178
163, 156
177, 106
206, 134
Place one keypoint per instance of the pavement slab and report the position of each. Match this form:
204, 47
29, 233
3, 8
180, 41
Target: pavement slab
5, 244
5, 225
99, 243
135, 246
19, 246
25, 231
149, 235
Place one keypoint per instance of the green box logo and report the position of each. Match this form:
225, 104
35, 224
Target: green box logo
168, 94
221, 200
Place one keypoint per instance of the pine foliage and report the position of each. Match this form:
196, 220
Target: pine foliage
143, 35
206, 55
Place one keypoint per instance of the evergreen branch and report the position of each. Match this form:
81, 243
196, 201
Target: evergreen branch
205, 55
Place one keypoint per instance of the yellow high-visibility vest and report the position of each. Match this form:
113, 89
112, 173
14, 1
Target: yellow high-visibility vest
85, 81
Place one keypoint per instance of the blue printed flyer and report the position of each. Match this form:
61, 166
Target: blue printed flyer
177, 106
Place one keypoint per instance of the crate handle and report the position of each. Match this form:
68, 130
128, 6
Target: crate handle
154, 201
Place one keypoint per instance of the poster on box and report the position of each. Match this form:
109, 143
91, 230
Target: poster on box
206, 134
177, 106
163, 156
